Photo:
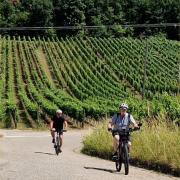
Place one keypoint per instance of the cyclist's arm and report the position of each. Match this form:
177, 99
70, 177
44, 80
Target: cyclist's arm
111, 122
65, 124
51, 124
133, 122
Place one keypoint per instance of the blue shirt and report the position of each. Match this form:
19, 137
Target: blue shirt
122, 122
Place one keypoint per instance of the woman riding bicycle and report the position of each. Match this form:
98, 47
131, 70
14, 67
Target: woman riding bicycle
121, 120
56, 124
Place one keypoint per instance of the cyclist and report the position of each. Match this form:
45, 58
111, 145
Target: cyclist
57, 123
121, 120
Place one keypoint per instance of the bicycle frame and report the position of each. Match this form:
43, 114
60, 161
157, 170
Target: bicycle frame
123, 140
58, 142
123, 150
123, 156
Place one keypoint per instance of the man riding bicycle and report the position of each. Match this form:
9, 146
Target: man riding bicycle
57, 123
121, 120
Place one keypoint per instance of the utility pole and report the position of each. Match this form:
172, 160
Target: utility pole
145, 68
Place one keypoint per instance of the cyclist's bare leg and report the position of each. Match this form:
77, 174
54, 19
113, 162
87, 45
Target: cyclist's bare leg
116, 142
61, 140
129, 145
53, 134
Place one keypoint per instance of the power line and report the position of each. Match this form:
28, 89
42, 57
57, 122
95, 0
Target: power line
161, 25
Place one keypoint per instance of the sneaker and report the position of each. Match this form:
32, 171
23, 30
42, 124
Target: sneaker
114, 157
53, 140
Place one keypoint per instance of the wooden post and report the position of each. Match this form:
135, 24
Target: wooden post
148, 111
84, 118
145, 66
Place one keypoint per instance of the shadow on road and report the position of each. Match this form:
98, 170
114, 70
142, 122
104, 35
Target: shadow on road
44, 153
101, 169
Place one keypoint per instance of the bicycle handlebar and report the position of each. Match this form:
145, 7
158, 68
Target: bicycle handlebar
126, 130
59, 130
62, 130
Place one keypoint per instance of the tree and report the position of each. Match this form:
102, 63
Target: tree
69, 13
41, 12
12, 15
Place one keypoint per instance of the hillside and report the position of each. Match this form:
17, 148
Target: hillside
86, 77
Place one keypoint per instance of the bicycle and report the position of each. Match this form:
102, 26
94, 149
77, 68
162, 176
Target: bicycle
123, 150
58, 143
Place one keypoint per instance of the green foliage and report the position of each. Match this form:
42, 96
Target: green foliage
90, 77
40, 12
92, 67
70, 13
2, 111
171, 105
12, 16
91, 12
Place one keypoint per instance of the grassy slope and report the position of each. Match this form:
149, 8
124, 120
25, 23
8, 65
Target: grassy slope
97, 72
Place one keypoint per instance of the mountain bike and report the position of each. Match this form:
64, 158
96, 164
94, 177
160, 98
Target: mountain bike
123, 150
58, 143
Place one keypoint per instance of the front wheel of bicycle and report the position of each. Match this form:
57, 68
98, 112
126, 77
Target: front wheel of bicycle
119, 162
126, 159
57, 151
57, 148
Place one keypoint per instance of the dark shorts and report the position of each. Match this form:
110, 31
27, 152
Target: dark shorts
58, 130
116, 133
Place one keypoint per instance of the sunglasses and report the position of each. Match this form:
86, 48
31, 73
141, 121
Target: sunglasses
123, 109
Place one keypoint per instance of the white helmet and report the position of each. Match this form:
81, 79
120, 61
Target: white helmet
123, 106
59, 111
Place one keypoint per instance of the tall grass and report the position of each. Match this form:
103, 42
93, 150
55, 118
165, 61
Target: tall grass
98, 143
157, 144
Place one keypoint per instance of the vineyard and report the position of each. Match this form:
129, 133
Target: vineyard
87, 78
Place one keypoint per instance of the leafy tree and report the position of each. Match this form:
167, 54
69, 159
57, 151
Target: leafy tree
41, 12
92, 13
11, 15
69, 13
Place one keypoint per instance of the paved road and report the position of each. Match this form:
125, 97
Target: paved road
26, 155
